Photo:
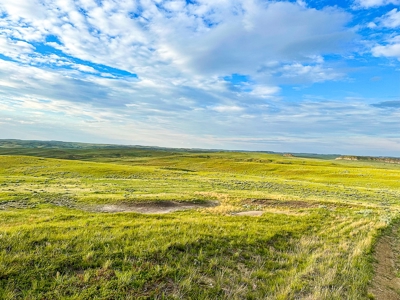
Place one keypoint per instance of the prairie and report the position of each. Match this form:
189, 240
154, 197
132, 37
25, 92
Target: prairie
313, 236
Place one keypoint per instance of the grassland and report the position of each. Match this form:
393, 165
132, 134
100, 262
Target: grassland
315, 239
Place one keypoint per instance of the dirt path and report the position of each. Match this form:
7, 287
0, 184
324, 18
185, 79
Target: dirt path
385, 284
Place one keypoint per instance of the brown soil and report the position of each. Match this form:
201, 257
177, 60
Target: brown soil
154, 207
385, 284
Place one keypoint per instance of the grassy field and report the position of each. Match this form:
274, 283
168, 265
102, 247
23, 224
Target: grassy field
314, 240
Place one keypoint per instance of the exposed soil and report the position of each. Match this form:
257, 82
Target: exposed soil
155, 207
385, 284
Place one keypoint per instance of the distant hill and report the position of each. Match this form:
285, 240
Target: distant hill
315, 155
13, 143
390, 160
35, 144
63, 149
74, 150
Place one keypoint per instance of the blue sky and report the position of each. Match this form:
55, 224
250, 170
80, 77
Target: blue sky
292, 76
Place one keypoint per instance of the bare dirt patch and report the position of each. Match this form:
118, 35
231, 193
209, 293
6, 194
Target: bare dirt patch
385, 284
155, 207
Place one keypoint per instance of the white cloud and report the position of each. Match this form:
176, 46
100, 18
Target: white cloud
391, 46
279, 31
391, 49
209, 38
14, 48
68, 57
143, 115
264, 91
391, 19
227, 108
84, 68
309, 73
375, 3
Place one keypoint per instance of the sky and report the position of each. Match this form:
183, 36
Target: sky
289, 76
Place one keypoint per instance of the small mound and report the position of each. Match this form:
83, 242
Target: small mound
155, 207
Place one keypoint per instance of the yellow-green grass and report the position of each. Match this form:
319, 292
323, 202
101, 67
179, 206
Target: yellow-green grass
314, 240
51, 253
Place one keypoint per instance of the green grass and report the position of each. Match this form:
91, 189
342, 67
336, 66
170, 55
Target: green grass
314, 241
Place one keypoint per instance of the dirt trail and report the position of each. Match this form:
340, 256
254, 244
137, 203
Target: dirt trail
385, 284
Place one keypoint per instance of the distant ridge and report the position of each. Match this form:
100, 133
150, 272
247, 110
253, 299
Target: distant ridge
37, 144
390, 160
60, 145
15, 143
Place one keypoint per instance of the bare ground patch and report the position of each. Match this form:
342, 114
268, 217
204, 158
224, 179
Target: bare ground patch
385, 284
155, 207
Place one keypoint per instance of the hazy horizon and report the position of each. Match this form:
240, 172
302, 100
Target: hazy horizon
188, 148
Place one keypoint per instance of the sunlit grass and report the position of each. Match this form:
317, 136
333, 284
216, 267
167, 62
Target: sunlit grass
313, 241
